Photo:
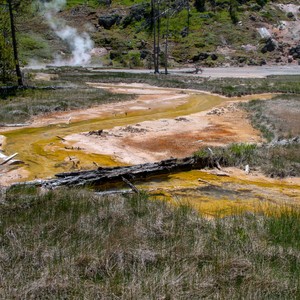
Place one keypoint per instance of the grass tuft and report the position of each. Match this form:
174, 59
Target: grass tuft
75, 244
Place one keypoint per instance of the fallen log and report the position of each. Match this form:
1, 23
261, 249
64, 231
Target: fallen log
115, 175
9, 159
14, 125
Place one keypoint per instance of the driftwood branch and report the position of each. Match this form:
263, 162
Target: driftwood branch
14, 125
102, 176
132, 186
5, 159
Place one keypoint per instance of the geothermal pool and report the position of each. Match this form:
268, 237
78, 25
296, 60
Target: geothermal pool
158, 124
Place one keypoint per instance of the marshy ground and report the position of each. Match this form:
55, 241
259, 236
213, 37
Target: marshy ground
195, 234
140, 122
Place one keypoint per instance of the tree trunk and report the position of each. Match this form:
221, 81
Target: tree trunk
188, 17
116, 175
153, 8
14, 43
158, 35
166, 45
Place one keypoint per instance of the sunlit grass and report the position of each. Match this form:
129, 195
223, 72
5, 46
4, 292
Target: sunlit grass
75, 244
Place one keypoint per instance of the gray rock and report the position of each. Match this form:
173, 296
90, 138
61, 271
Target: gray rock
285, 142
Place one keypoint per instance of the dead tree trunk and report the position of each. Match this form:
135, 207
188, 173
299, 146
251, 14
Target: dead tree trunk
14, 43
115, 175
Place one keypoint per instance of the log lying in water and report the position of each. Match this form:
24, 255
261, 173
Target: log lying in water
9, 159
114, 175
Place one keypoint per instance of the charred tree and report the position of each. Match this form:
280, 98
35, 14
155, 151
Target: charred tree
14, 43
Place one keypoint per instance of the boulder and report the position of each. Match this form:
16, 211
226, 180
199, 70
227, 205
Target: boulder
262, 62
270, 46
290, 59
109, 20
295, 52
144, 54
200, 56
214, 56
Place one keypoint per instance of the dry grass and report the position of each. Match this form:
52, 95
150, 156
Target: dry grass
28, 103
77, 245
274, 161
68, 90
278, 117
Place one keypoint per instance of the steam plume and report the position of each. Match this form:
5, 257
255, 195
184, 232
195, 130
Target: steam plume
80, 43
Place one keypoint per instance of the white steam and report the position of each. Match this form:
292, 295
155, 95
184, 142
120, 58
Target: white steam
80, 43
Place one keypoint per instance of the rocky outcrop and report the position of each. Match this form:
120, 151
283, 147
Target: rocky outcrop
200, 56
109, 20
285, 142
137, 13
269, 46
204, 55
295, 52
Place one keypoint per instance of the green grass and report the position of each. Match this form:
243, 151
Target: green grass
283, 228
233, 155
73, 244
91, 3
210, 29
34, 45
274, 161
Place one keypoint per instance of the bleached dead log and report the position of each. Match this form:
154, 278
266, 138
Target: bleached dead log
6, 159
15, 125
247, 169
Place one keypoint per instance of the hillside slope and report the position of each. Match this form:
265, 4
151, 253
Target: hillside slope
220, 33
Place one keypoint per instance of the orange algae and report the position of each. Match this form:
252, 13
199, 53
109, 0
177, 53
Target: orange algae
45, 155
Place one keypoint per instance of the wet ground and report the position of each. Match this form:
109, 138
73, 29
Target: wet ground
159, 124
